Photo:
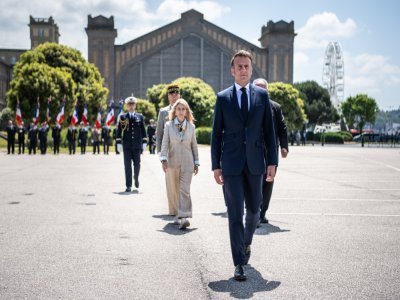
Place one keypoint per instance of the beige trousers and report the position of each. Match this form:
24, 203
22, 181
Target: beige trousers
178, 192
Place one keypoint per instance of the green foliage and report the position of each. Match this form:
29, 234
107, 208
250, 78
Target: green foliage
330, 137
5, 115
200, 96
154, 95
345, 136
203, 135
147, 109
57, 71
317, 104
292, 106
359, 110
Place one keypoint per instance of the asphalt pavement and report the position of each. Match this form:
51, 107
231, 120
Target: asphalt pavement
69, 231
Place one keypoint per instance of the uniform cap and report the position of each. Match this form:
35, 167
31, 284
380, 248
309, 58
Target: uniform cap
130, 100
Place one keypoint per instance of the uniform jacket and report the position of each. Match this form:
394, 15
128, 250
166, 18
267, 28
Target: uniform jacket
11, 133
106, 134
56, 133
131, 131
234, 142
21, 134
162, 119
71, 134
180, 151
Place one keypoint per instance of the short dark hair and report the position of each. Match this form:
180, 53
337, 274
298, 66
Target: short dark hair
242, 53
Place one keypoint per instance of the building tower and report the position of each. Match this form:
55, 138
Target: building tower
43, 31
278, 39
101, 38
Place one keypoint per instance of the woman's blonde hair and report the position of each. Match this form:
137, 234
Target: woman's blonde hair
189, 114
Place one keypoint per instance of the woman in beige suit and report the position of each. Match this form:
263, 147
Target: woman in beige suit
180, 159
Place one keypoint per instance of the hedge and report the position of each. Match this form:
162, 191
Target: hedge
203, 135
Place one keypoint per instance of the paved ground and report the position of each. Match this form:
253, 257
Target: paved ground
68, 231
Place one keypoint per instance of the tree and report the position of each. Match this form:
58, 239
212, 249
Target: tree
359, 110
317, 103
292, 106
147, 109
200, 96
56, 70
154, 94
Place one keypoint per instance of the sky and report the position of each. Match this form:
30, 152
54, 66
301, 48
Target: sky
367, 30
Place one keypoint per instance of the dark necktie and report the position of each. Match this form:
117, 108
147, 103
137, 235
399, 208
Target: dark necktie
244, 106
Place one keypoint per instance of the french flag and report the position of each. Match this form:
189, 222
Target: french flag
60, 116
85, 115
110, 116
36, 113
74, 118
98, 120
18, 116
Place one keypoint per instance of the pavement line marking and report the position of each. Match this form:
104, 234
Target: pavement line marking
333, 214
336, 189
339, 199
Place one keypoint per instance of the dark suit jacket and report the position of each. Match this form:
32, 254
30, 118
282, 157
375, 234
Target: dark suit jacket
132, 132
234, 142
280, 126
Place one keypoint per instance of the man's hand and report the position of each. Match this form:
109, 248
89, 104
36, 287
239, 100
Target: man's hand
284, 152
196, 169
270, 173
164, 165
218, 176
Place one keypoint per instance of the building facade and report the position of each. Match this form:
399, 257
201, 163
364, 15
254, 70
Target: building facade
190, 46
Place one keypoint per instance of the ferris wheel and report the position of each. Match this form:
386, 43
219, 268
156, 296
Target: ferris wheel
333, 72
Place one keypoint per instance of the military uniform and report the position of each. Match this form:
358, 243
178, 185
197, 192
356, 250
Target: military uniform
56, 135
83, 134
105, 138
43, 138
21, 139
132, 134
10, 138
115, 130
71, 138
32, 137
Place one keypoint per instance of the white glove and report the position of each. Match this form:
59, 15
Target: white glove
119, 147
144, 146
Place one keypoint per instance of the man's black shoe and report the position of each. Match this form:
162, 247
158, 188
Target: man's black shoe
128, 190
136, 183
264, 220
239, 274
247, 253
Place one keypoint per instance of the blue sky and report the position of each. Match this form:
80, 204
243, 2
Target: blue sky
367, 31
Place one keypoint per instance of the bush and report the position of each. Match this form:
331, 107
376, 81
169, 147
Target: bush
330, 137
6, 115
147, 109
203, 135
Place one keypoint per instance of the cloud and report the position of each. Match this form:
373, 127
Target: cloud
322, 28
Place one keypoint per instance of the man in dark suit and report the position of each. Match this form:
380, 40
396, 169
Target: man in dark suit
132, 133
21, 138
71, 138
56, 135
82, 137
106, 138
32, 137
243, 130
11, 130
281, 140
43, 138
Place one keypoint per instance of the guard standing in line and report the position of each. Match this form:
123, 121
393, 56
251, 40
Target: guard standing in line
43, 138
71, 138
83, 134
21, 138
151, 134
96, 139
114, 136
105, 138
10, 137
132, 134
32, 137
56, 135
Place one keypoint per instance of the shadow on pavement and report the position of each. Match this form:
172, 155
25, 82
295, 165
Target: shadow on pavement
173, 229
255, 283
164, 217
221, 214
266, 229
127, 193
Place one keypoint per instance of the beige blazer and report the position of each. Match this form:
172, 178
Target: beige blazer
180, 152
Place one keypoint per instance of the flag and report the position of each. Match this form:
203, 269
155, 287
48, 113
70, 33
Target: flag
98, 120
48, 110
36, 112
60, 116
74, 118
120, 112
18, 116
110, 115
85, 114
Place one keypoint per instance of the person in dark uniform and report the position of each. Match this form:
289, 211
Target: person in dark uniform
43, 138
114, 136
11, 130
106, 138
32, 137
132, 134
21, 138
71, 138
56, 135
151, 134
82, 138
96, 140
281, 136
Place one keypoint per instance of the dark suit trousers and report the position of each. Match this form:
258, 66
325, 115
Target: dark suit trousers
129, 156
267, 192
240, 189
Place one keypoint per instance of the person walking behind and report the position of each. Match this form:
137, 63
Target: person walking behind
180, 159
21, 138
11, 130
281, 136
132, 135
242, 131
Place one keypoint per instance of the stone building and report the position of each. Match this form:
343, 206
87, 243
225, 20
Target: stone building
190, 46
41, 31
